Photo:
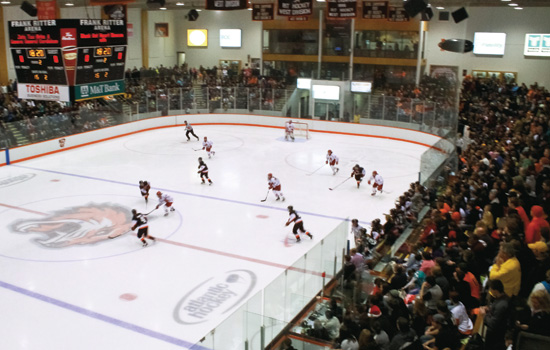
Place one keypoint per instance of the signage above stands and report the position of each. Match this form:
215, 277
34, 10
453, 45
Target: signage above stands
537, 45
361, 86
489, 43
43, 92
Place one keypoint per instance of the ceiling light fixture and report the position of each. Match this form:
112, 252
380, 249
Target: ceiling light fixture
162, 8
518, 8
513, 5
70, 3
440, 8
5, 2
179, 3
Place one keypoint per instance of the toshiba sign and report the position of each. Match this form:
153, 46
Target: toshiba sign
43, 92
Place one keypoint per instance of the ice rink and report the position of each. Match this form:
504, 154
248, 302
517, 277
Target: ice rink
65, 285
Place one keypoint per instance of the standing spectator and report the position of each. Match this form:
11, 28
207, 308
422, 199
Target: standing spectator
496, 316
532, 233
431, 293
507, 269
539, 322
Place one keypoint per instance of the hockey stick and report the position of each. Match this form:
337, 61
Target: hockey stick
316, 170
267, 194
120, 234
340, 183
151, 211
197, 149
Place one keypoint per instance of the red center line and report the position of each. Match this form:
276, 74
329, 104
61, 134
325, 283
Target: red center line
207, 250
23, 209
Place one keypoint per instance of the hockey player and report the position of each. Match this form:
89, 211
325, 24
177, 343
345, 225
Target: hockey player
332, 160
359, 173
298, 224
140, 222
275, 185
189, 130
207, 145
165, 200
289, 130
203, 170
144, 187
377, 182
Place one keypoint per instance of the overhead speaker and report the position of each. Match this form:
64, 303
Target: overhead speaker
444, 16
414, 7
29, 9
427, 14
155, 4
460, 15
193, 15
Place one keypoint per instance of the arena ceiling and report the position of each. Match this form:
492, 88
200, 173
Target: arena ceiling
198, 4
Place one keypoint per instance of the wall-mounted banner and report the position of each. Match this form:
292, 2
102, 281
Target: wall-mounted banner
397, 14
375, 9
226, 5
537, 45
46, 9
262, 12
295, 7
341, 8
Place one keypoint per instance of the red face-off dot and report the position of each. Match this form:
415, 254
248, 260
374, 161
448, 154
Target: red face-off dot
128, 296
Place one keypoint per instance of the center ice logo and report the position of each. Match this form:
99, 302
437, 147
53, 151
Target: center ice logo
77, 225
214, 297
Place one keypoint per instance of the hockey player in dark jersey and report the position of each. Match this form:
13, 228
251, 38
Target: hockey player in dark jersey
144, 187
203, 170
298, 224
359, 174
140, 222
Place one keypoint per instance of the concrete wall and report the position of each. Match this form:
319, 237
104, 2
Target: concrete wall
515, 23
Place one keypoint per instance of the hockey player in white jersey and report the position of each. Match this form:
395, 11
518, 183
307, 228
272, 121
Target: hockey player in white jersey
207, 145
377, 182
332, 160
289, 130
275, 185
166, 201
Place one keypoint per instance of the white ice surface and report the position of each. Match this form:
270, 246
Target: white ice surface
68, 297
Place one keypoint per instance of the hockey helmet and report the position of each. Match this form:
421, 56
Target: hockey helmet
290, 208
374, 173
356, 166
269, 176
205, 138
329, 151
134, 212
159, 193
141, 182
200, 159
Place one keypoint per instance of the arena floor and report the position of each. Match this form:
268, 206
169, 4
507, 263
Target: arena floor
64, 285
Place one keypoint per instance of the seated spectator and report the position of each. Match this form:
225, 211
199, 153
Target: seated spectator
332, 325
431, 293
543, 285
460, 315
399, 279
532, 233
318, 331
539, 322
380, 336
404, 335
287, 345
350, 343
507, 269
446, 336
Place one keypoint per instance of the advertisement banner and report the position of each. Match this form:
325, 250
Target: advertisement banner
43, 92
68, 48
295, 7
375, 9
397, 14
46, 9
226, 5
341, 8
262, 12
537, 45
95, 90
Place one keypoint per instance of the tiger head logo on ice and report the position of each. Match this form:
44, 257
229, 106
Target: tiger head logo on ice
78, 225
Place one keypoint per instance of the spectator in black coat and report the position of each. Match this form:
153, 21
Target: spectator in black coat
496, 316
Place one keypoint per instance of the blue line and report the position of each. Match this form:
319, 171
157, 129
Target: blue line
101, 317
7, 156
191, 194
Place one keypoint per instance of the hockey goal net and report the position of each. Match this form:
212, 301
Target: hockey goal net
300, 129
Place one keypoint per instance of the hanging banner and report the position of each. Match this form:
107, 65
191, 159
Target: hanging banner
46, 10
397, 14
262, 12
341, 8
295, 7
375, 9
114, 12
226, 5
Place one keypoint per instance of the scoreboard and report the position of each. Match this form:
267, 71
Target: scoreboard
80, 58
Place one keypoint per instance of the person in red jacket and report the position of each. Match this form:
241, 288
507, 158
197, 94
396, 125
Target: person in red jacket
532, 234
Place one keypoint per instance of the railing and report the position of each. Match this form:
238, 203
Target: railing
262, 318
